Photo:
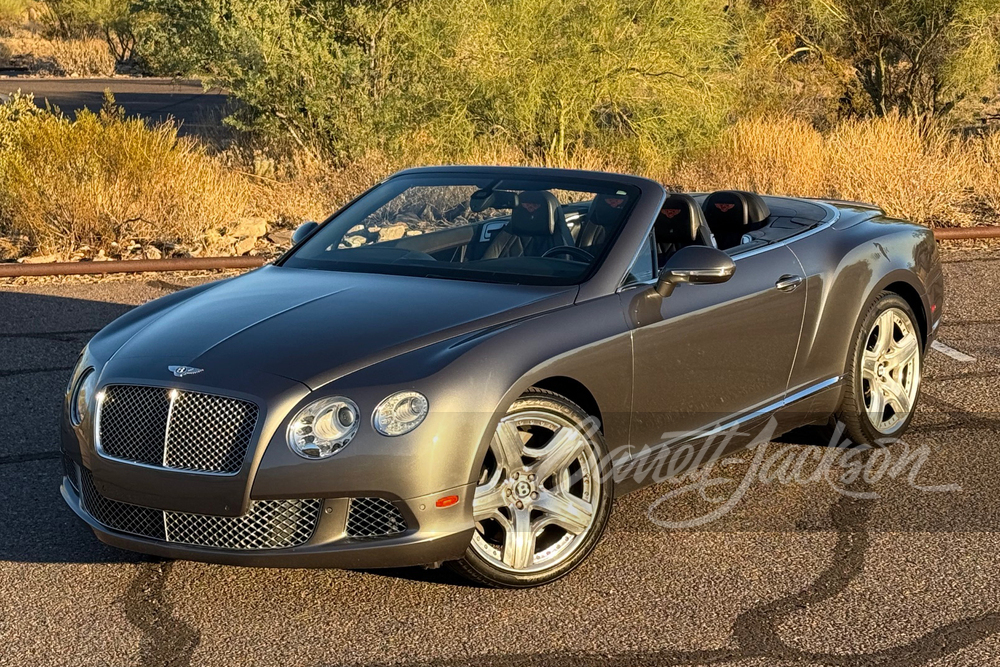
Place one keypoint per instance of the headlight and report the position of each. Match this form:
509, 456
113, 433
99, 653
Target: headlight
400, 413
324, 427
82, 396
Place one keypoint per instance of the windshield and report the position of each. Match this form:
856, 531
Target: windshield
545, 231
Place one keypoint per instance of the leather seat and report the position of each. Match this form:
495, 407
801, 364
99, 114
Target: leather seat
536, 224
733, 213
603, 217
680, 223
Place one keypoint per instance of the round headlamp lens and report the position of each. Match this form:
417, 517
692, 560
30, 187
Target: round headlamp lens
323, 427
82, 396
400, 413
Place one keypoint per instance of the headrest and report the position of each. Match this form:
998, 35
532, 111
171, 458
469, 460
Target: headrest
678, 220
734, 210
535, 214
606, 210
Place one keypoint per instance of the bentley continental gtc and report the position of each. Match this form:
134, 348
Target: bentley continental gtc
465, 364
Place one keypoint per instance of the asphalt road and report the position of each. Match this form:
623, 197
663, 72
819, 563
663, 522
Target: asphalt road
885, 573
197, 110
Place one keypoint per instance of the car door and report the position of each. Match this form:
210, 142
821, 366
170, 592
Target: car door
709, 355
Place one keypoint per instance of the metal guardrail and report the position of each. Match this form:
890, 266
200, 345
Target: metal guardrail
129, 266
950, 233
14, 270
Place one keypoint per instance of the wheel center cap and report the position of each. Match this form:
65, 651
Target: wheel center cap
522, 489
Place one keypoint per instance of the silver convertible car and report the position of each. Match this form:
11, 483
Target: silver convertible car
466, 365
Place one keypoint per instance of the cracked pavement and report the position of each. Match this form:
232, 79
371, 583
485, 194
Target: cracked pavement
880, 573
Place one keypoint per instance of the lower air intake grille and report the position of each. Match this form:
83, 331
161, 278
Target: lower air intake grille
70, 470
374, 517
267, 524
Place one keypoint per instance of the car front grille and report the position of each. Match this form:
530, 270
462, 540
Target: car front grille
373, 517
171, 428
267, 524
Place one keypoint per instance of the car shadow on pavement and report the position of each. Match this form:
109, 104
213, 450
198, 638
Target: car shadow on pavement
40, 339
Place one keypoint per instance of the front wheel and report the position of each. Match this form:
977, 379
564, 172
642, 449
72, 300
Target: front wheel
542, 501
883, 375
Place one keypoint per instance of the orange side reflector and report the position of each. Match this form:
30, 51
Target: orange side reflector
446, 501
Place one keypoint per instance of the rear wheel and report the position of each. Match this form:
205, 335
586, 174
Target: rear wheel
883, 377
542, 501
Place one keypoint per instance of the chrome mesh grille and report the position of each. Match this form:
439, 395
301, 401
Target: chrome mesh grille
189, 431
374, 517
134, 423
142, 521
267, 524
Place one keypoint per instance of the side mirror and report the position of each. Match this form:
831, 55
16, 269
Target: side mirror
696, 264
302, 231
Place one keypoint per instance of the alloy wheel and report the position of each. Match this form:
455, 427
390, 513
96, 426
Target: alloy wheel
890, 370
538, 493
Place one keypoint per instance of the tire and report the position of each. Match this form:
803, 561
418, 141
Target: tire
882, 372
537, 518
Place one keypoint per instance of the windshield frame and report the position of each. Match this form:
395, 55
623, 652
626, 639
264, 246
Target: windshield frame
552, 179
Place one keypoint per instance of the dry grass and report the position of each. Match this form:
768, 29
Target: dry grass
987, 177
60, 57
103, 179
929, 176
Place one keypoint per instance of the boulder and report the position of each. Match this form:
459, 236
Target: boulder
248, 227
245, 245
280, 237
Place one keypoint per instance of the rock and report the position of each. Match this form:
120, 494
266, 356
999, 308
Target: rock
249, 227
355, 241
245, 245
280, 237
39, 259
392, 232
152, 252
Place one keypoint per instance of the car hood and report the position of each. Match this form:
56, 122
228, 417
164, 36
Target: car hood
314, 326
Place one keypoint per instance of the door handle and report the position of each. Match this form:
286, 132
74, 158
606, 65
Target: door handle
788, 282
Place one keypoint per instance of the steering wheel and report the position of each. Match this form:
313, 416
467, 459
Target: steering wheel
569, 250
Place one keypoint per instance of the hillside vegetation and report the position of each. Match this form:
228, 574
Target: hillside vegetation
889, 101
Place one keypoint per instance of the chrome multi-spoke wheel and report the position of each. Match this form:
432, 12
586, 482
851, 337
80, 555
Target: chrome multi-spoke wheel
890, 370
541, 501
883, 378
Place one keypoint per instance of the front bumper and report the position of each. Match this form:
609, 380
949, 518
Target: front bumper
433, 535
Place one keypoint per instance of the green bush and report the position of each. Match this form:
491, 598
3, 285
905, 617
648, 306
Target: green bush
550, 77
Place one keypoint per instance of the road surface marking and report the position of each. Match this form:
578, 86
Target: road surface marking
951, 352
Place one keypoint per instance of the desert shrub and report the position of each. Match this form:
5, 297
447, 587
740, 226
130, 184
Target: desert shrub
343, 79
102, 178
12, 14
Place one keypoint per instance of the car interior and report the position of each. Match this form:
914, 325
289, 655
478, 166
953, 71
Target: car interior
530, 228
